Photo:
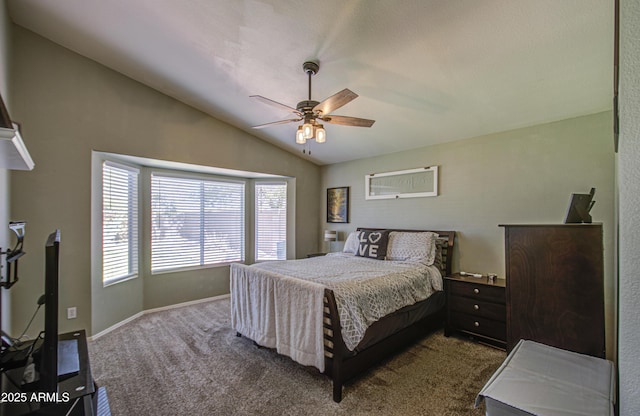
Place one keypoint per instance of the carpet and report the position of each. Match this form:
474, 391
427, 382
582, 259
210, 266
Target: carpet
188, 361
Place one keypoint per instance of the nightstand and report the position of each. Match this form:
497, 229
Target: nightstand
316, 255
477, 307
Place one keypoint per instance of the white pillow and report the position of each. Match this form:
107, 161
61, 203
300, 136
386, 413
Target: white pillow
352, 243
407, 246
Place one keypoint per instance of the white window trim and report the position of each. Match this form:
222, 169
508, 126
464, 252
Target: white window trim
196, 177
255, 216
146, 166
136, 272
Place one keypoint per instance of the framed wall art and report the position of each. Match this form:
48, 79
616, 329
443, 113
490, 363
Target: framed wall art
410, 183
338, 204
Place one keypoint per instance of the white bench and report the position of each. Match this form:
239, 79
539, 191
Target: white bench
536, 379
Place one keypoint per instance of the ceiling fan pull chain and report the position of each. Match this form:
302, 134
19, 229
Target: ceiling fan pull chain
307, 148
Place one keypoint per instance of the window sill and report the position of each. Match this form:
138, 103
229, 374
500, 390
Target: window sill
195, 268
119, 280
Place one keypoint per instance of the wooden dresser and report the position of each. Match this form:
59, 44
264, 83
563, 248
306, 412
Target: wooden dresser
476, 307
555, 286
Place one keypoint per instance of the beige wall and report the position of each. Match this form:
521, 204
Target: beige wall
519, 176
629, 209
70, 106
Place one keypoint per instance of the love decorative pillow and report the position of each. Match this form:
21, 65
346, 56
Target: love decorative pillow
373, 244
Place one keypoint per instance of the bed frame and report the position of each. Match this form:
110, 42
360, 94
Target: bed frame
342, 364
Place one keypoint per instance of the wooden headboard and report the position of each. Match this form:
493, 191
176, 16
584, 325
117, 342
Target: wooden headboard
447, 249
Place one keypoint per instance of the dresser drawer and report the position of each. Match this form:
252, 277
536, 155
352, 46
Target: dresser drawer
479, 325
477, 291
477, 307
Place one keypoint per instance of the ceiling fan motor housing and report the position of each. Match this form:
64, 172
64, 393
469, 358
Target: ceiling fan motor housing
311, 67
306, 106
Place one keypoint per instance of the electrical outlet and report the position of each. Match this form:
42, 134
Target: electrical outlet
71, 312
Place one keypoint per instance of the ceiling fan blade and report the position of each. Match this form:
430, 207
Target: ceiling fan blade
348, 121
275, 104
336, 101
274, 123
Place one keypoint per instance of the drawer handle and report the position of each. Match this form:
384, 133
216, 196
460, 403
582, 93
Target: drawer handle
476, 307
476, 324
476, 290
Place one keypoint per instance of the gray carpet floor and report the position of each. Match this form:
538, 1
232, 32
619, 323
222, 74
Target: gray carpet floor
188, 361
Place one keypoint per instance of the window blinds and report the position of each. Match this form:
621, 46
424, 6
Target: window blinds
119, 222
195, 222
271, 220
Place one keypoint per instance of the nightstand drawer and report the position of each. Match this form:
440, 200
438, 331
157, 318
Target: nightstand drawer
477, 291
476, 307
479, 325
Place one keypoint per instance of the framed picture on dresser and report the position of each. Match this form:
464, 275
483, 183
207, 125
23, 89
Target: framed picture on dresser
338, 204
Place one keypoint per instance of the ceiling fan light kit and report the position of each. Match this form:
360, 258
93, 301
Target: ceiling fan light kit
300, 139
320, 134
311, 111
307, 129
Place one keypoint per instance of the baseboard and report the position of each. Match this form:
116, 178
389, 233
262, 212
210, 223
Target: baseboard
115, 326
189, 303
147, 311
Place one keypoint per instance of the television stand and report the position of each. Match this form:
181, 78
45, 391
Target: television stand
77, 393
17, 356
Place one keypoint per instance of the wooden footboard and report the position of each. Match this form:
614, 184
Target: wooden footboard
334, 347
342, 364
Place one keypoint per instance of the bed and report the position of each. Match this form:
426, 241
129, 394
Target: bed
344, 312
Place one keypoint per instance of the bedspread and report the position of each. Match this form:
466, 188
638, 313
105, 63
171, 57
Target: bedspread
279, 304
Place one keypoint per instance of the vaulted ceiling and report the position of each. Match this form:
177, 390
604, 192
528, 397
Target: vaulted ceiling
428, 71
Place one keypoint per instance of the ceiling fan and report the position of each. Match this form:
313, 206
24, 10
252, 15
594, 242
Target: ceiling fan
313, 111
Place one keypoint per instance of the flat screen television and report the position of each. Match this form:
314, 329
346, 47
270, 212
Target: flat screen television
47, 363
579, 207
49, 353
